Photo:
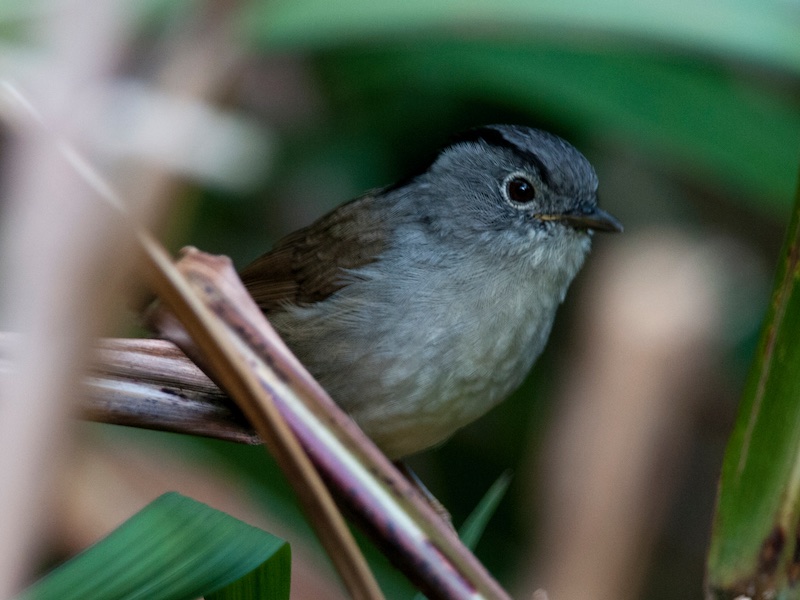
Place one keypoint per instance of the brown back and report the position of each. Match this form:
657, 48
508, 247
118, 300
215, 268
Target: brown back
307, 266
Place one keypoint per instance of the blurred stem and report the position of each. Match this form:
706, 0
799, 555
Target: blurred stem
64, 264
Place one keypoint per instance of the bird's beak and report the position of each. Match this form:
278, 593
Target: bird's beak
587, 218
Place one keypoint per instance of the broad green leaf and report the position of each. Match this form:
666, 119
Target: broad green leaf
174, 548
647, 72
270, 581
755, 548
689, 115
762, 30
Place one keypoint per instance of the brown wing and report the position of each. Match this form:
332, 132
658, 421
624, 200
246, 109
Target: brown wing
307, 266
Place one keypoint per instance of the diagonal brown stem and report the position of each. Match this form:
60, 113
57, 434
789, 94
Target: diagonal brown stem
220, 353
388, 505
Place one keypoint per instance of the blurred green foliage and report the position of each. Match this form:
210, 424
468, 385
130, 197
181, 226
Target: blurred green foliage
692, 84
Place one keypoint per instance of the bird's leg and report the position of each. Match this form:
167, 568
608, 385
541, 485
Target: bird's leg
412, 477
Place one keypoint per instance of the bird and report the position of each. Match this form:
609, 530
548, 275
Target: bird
421, 305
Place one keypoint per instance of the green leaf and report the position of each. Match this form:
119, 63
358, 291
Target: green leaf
271, 580
689, 115
764, 30
755, 546
174, 548
649, 73
474, 525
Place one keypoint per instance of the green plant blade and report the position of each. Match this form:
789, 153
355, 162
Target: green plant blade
760, 30
174, 548
755, 546
271, 580
693, 117
474, 525
620, 68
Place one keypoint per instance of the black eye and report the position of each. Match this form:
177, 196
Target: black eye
520, 189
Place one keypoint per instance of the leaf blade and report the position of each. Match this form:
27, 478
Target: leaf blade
174, 548
755, 533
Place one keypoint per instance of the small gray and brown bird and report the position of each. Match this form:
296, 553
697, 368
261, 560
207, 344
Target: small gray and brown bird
420, 306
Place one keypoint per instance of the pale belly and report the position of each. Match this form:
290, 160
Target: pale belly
412, 368
427, 396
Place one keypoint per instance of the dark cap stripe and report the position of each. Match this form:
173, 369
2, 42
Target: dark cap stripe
494, 137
